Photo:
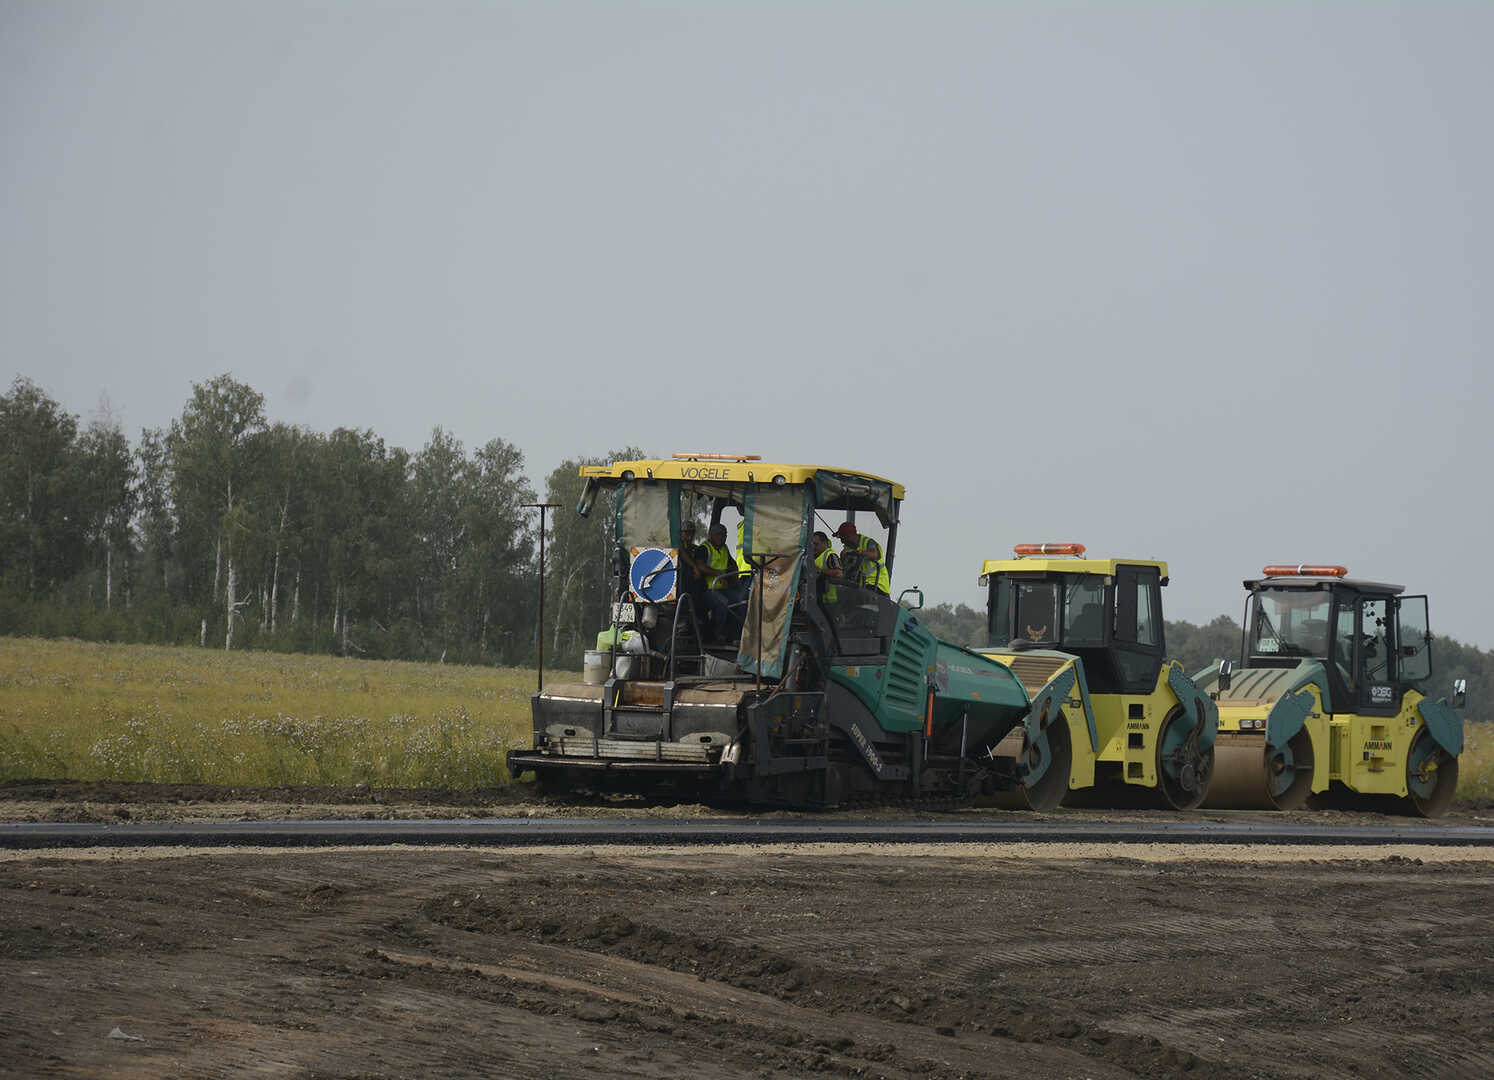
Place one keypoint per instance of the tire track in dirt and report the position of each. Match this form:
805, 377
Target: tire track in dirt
709, 1009
616, 963
789, 977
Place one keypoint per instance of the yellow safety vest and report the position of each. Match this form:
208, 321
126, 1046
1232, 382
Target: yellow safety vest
831, 595
742, 563
719, 559
873, 573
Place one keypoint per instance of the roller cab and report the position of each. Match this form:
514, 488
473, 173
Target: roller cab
1131, 727
1329, 698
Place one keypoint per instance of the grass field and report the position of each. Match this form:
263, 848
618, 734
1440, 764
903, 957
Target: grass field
74, 710
1476, 765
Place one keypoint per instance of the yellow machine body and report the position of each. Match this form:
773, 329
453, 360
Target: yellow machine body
1135, 721
1329, 698
1366, 754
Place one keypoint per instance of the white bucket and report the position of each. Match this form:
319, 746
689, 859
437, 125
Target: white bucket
594, 667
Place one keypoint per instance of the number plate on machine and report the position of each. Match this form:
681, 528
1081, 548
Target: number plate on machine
624, 613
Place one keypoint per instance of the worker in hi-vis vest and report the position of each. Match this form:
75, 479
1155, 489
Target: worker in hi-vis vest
868, 555
826, 562
724, 578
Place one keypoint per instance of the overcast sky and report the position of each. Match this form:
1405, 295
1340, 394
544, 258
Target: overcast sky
1203, 282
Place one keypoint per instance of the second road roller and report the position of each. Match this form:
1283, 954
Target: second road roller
1328, 698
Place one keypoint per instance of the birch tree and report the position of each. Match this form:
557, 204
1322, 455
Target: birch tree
43, 541
355, 549
209, 450
440, 494
579, 555
497, 564
108, 494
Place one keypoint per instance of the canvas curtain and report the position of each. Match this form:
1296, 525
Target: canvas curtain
778, 521
649, 514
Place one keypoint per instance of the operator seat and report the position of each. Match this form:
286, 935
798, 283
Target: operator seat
1088, 627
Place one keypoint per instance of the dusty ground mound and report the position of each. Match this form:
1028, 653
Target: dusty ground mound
668, 964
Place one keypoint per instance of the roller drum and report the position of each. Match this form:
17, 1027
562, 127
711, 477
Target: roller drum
1246, 777
1051, 787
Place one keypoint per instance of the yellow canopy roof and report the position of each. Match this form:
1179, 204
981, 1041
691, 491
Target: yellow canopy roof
1039, 565
724, 469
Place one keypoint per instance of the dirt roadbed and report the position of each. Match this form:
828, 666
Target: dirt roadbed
858, 962
1025, 961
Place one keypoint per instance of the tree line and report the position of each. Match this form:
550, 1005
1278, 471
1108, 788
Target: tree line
225, 529
228, 530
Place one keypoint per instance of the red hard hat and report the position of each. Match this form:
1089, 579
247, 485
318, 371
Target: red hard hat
847, 528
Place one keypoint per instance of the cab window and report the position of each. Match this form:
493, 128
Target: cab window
1084, 612
1037, 610
1375, 640
1343, 644
1148, 632
1000, 628
1415, 639
1290, 623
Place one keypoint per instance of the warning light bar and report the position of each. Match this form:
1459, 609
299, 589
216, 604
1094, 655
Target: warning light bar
718, 457
1305, 571
1022, 550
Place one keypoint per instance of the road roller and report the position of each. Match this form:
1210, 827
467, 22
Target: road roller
769, 675
1133, 728
1327, 702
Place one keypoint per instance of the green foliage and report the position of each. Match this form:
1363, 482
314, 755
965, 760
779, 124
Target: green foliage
43, 529
959, 625
578, 560
227, 529
1196, 647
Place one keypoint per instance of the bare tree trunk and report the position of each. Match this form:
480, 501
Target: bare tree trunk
565, 589
275, 580
275, 588
202, 635
30, 534
108, 572
296, 599
229, 606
